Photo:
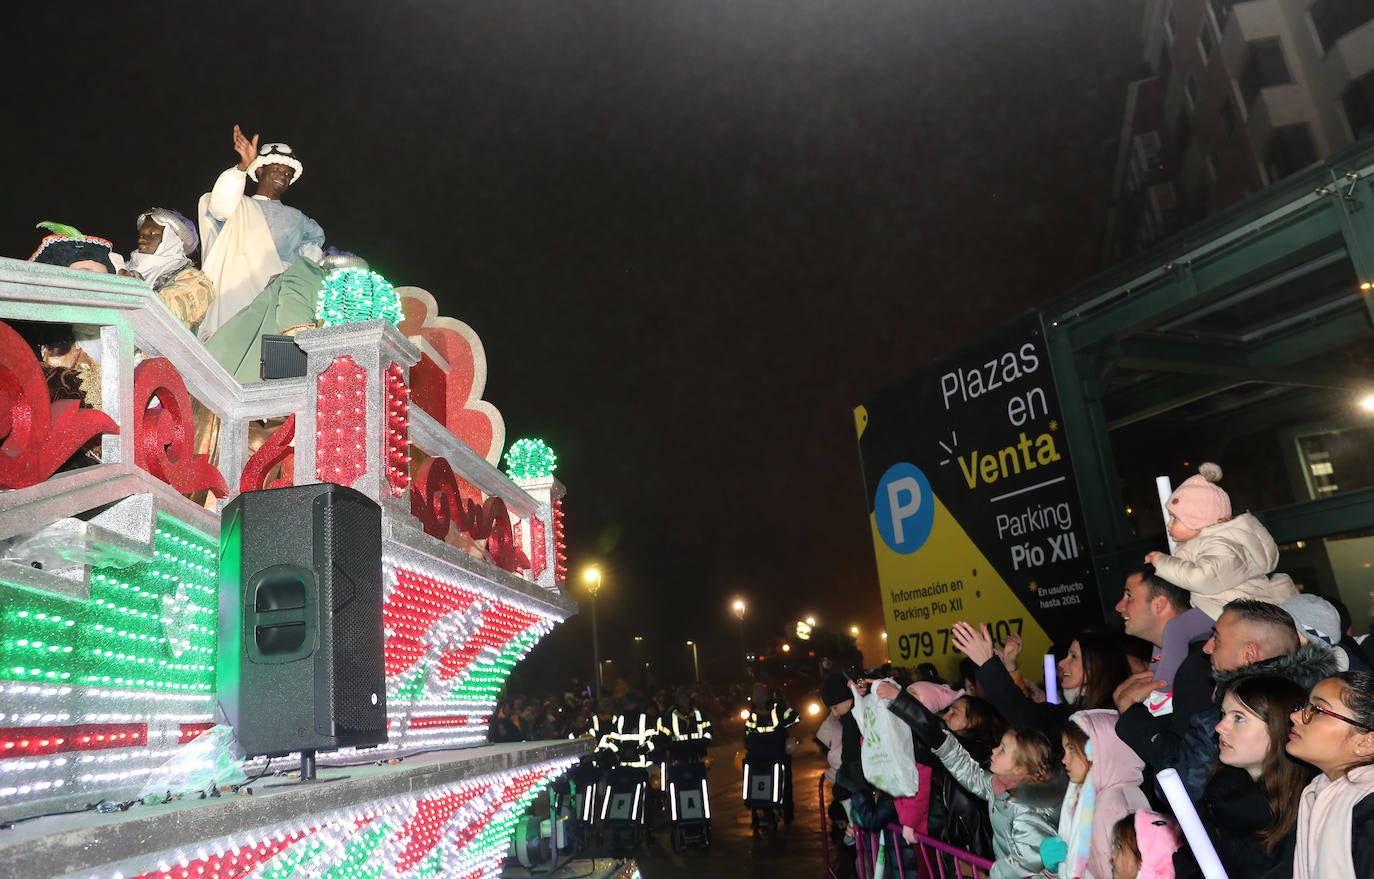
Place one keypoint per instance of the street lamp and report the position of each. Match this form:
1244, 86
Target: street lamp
642, 667
738, 608
593, 578
696, 668
854, 630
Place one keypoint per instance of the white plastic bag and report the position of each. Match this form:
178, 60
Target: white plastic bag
213, 759
889, 758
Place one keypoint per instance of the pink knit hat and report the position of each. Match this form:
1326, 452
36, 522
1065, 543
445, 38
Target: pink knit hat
1198, 502
935, 697
1157, 837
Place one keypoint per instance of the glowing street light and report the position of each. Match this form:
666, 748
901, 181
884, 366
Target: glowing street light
593, 578
854, 630
738, 608
696, 668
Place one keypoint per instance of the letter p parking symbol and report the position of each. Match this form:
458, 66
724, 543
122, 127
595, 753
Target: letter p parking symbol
904, 508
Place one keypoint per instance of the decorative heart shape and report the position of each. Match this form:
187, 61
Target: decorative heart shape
452, 374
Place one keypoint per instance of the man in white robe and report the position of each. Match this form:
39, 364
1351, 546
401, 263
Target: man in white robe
249, 241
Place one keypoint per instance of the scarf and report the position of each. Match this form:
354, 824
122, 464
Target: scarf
1324, 824
1076, 828
155, 268
1006, 781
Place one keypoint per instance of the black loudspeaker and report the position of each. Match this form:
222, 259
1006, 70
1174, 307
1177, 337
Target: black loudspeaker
300, 646
281, 358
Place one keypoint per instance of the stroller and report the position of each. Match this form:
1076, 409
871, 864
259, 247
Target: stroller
689, 804
764, 781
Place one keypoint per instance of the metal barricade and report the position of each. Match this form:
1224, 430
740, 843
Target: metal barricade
825, 833
935, 859
932, 853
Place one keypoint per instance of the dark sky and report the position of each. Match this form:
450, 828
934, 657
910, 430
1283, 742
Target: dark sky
692, 235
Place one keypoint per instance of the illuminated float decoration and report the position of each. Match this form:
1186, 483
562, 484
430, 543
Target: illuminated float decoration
109, 590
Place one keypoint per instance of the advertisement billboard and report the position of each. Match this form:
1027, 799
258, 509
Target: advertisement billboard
972, 502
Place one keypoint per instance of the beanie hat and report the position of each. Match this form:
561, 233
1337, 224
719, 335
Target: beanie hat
834, 690
935, 697
1198, 502
1315, 617
277, 154
1157, 837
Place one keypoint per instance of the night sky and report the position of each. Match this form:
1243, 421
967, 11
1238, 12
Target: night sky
692, 235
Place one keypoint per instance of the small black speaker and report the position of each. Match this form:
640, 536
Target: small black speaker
281, 358
300, 646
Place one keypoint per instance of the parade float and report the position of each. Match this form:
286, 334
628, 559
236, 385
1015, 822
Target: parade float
111, 591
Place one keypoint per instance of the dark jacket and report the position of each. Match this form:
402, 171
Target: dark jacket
1362, 836
849, 777
1355, 653
1194, 753
957, 816
1192, 693
1018, 709
1234, 810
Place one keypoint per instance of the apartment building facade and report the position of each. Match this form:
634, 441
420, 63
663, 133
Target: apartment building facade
1236, 96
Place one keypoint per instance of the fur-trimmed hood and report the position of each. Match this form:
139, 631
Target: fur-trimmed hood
1306, 666
1044, 797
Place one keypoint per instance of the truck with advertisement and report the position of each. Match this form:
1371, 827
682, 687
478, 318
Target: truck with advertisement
973, 505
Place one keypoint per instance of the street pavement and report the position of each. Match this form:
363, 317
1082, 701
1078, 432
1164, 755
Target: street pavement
736, 852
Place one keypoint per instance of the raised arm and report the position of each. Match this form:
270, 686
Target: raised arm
228, 188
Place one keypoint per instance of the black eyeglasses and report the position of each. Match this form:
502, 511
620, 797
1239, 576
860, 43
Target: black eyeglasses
1307, 711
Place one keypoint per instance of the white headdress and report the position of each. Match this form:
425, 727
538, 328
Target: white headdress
276, 154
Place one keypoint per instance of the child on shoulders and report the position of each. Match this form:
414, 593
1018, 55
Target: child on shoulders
1220, 557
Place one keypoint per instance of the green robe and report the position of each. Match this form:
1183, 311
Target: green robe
289, 301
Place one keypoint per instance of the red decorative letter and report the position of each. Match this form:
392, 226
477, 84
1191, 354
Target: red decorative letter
164, 435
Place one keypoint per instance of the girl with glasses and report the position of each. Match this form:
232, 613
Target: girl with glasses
1334, 731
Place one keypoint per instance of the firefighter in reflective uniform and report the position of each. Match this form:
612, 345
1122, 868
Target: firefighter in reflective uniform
684, 729
765, 737
601, 721
632, 738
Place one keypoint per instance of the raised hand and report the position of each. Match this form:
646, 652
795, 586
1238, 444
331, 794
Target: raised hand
1135, 689
886, 690
247, 149
1011, 651
976, 644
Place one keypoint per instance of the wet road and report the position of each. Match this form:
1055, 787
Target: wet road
735, 852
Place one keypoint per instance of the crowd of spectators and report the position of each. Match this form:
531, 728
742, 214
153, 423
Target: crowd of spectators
1232, 696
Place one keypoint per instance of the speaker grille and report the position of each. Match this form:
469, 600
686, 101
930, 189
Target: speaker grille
300, 654
351, 566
